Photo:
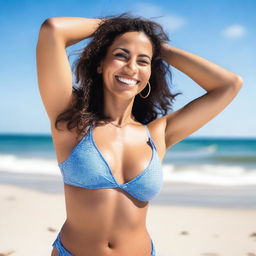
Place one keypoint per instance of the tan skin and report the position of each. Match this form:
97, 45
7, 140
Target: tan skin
106, 222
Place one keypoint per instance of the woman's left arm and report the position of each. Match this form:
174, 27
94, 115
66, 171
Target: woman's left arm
221, 86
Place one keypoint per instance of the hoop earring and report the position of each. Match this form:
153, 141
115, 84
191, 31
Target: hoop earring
147, 93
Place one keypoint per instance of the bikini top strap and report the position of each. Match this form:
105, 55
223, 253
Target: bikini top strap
147, 131
89, 130
150, 139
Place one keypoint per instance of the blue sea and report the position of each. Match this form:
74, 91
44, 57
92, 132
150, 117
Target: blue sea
215, 161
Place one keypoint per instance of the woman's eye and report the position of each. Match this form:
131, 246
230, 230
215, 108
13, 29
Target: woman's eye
120, 55
143, 61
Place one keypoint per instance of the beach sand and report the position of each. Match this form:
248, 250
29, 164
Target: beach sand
31, 218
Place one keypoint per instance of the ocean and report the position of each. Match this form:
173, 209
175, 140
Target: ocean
215, 161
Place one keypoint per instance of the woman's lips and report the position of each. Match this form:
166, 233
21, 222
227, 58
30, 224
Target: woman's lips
125, 84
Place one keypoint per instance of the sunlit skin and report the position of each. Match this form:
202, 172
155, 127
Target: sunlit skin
129, 57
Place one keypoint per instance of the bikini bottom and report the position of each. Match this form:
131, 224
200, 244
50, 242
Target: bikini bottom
62, 251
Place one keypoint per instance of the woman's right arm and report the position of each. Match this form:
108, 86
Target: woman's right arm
53, 68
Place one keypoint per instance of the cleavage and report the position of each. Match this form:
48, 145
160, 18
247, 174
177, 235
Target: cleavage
125, 157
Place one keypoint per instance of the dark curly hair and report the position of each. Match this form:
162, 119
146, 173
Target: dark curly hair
87, 106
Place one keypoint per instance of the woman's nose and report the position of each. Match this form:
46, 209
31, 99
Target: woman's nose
131, 65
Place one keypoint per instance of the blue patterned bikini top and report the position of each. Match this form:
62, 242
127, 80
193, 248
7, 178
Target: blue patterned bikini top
86, 167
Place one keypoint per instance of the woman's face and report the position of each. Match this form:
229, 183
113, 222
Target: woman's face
126, 69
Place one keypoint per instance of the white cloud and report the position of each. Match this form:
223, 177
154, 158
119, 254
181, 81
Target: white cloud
234, 31
170, 22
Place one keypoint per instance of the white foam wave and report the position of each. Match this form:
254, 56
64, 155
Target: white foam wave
196, 152
210, 174
12, 163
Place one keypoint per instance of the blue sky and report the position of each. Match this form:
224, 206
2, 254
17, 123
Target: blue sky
220, 31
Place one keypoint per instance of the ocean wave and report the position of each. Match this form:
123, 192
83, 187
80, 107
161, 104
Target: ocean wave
210, 174
13, 163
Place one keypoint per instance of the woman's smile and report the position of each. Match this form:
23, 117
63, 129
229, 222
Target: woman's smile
125, 82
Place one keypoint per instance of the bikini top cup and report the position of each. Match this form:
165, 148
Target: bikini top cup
86, 167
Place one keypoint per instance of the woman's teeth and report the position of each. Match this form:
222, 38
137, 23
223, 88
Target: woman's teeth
126, 81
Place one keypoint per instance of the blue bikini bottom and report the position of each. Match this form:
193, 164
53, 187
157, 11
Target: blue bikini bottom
62, 251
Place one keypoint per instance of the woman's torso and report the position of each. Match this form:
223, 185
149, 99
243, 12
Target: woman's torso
108, 221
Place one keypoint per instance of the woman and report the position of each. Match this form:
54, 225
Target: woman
110, 130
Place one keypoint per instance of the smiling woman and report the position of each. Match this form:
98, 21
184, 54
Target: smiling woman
112, 143
121, 85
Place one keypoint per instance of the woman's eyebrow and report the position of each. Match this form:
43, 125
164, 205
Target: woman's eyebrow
127, 51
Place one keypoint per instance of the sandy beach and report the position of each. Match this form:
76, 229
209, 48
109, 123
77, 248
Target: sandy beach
184, 220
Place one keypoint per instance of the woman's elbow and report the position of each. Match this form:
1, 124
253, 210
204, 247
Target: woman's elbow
240, 80
48, 24
47, 30
236, 82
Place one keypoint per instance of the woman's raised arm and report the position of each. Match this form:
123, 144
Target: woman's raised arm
221, 86
205, 73
53, 68
72, 29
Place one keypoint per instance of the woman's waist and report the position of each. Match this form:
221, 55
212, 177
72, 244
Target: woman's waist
104, 238
93, 231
